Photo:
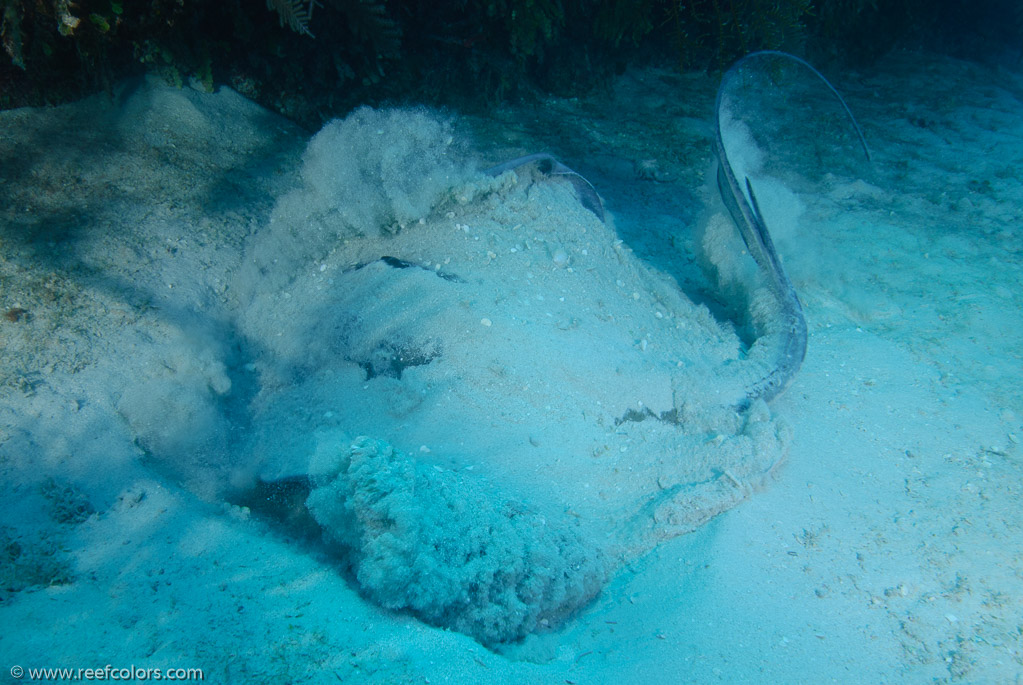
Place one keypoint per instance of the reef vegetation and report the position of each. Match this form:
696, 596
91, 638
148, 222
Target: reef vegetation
316, 59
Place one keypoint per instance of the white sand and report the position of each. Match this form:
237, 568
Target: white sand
887, 548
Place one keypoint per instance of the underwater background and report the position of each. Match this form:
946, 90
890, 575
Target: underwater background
306, 376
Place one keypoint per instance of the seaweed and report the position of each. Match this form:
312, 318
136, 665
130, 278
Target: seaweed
295, 13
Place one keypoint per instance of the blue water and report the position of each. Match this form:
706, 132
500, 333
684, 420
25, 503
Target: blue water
194, 315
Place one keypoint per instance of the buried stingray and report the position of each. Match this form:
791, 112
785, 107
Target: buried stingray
498, 405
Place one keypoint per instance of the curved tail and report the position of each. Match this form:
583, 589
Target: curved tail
741, 202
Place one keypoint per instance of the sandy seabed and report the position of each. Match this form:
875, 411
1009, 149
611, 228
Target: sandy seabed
885, 549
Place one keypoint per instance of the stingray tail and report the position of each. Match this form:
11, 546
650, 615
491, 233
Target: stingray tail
791, 338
